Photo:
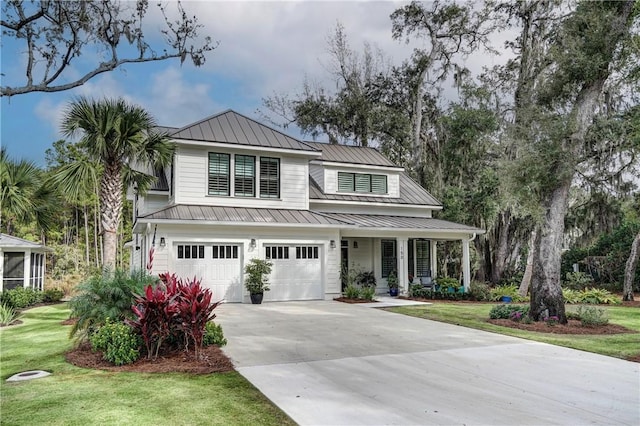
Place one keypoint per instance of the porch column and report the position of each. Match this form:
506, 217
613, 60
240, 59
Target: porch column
27, 269
433, 251
401, 265
466, 265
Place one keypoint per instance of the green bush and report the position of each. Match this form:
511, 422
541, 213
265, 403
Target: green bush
506, 311
445, 282
598, 296
418, 291
109, 295
591, 316
52, 295
20, 297
213, 335
479, 291
496, 293
351, 292
118, 343
577, 280
7, 314
368, 293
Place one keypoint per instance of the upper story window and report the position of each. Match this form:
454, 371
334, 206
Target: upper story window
219, 174
269, 177
362, 182
244, 177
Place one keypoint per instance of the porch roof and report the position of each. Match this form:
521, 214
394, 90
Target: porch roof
240, 215
8, 243
372, 221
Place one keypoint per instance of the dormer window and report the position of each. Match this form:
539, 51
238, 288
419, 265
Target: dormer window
362, 182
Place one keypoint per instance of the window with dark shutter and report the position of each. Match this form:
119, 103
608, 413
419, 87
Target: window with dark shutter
388, 251
362, 182
218, 174
269, 177
346, 182
244, 176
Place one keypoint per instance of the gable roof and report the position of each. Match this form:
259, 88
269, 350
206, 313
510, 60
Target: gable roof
234, 128
8, 242
351, 154
410, 193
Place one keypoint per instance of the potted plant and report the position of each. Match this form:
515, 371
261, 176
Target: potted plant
392, 282
257, 281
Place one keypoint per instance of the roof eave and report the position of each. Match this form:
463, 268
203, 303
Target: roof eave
206, 144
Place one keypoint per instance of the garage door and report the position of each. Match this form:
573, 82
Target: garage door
296, 272
218, 265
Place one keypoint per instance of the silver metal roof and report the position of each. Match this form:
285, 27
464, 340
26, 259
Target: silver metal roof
184, 212
410, 193
234, 128
351, 154
8, 242
401, 222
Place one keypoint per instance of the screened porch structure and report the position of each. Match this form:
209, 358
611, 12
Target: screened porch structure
22, 263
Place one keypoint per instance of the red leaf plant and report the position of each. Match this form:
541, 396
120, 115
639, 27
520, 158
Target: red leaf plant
173, 310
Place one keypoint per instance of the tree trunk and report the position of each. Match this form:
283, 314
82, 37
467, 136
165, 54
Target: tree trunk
86, 233
630, 269
528, 270
110, 211
546, 293
501, 241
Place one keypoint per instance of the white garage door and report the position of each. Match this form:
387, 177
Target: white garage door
219, 266
296, 272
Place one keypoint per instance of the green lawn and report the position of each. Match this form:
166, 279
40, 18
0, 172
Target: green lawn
77, 396
475, 316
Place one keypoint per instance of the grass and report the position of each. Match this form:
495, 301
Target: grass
78, 396
475, 316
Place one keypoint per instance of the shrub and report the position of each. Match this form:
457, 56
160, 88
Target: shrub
109, 295
419, 291
445, 282
577, 280
571, 296
366, 279
496, 293
598, 296
506, 311
213, 335
20, 297
257, 271
351, 292
479, 291
52, 295
7, 314
572, 315
118, 343
368, 293
591, 316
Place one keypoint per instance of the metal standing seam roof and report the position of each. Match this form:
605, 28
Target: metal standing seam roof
401, 222
241, 214
410, 193
351, 154
234, 128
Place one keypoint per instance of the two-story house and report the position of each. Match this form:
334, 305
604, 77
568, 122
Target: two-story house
238, 189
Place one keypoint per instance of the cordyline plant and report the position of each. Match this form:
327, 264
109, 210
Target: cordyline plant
173, 310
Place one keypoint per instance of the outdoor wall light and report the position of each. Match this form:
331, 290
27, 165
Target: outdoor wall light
163, 242
332, 244
253, 243
355, 244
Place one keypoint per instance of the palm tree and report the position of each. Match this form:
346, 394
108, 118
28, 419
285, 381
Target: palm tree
116, 136
26, 195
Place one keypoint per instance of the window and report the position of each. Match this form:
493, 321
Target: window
306, 252
269, 177
423, 259
218, 174
190, 251
225, 252
276, 252
388, 250
13, 270
244, 177
362, 182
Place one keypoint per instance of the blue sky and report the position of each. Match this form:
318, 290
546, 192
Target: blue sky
265, 48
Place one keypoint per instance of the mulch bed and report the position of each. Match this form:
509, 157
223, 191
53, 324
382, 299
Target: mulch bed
573, 327
347, 300
213, 360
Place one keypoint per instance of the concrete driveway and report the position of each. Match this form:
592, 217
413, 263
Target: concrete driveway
329, 363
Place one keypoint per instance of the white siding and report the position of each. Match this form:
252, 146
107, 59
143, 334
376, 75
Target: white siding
367, 208
317, 173
191, 181
152, 203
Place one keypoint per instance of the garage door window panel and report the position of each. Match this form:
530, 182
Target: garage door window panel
307, 252
224, 252
186, 251
276, 252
